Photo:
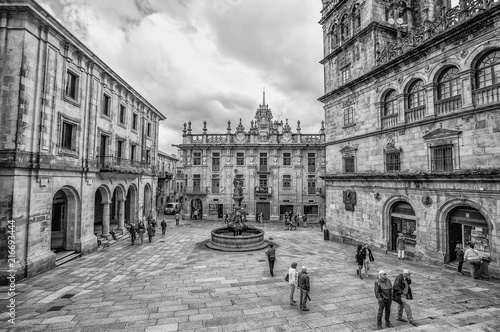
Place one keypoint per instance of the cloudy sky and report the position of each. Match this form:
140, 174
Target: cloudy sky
198, 60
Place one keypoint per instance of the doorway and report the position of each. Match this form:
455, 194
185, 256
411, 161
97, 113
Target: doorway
58, 230
220, 210
265, 208
284, 209
467, 225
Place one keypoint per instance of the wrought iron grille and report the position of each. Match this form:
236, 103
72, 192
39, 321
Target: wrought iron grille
442, 158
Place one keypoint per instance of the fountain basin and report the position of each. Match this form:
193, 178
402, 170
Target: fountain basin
223, 239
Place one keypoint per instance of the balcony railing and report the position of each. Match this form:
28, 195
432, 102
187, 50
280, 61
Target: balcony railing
486, 96
389, 120
415, 114
263, 190
448, 105
111, 163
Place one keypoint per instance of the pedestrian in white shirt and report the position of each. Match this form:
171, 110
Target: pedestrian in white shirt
474, 258
293, 281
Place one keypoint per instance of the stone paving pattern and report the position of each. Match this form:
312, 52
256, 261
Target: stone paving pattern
175, 283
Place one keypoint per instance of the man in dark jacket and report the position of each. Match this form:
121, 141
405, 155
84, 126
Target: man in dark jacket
151, 232
132, 231
303, 283
271, 257
402, 289
383, 293
163, 226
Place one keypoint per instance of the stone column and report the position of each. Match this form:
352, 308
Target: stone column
121, 214
105, 218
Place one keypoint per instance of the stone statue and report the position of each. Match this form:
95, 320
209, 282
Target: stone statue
238, 187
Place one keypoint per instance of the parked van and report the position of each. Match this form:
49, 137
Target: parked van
172, 208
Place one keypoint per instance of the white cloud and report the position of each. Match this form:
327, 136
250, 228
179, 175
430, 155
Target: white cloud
208, 60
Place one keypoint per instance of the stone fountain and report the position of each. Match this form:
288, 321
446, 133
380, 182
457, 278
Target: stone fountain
237, 236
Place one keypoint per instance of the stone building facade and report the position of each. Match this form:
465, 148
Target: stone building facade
77, 143
412, 108
280, 170
167, 170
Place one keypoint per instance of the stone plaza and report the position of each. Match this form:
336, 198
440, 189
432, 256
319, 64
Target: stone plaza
176, 283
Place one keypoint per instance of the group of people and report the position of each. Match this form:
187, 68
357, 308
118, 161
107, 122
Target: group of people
471, 255
137, 232
293, 224
400, 292
363, 258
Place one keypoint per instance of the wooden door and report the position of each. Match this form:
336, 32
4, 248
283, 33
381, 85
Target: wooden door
455, 236
265, 208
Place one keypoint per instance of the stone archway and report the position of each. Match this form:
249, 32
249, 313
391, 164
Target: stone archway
148, 194
131, 205
101, 210
117, 209
403, 220
65, 220
451, 218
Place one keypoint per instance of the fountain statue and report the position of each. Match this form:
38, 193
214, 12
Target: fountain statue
243, 238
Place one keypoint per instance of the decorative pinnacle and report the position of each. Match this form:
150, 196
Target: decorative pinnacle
204, 126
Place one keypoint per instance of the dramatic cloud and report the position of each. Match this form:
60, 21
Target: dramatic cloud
208, 60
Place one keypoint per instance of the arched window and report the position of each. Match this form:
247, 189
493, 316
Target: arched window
356, 17
448, 83
344, 28
334, 36
390, 101
488, 70
416, 95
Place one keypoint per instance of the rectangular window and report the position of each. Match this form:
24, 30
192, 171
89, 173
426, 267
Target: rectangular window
392, 162
215, 184
240, 158
215, 162
311, 162
106, 105
148, 132
287, 159
197, 158
311, 184
287, 181
348, 116
148, 156
68, 136
348, 164
263, 180
119, 148
71, 85
196, 183
311, 209
133, 152
123, 113
134, 121
442, 158
263, 162
346, 75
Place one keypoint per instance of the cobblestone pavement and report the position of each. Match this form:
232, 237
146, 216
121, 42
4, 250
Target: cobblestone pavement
175, 283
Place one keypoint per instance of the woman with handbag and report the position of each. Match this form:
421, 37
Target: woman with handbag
360, 258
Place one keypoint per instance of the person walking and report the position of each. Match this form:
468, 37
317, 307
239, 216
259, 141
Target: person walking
271, 257
474, 258
177, 218
383, 293
305, 287
132, 232
163, 226
296, 221
141, 230
151, 232
400, 244
360, 258
153, 224
322, 223
304, 219
293, 277
402, 289
368, 259
460, 258
195, 214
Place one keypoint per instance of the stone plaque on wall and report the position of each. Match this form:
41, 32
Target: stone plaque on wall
349, 199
